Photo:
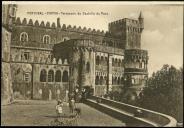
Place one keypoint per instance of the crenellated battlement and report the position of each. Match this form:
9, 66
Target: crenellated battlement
125, 21
48, 25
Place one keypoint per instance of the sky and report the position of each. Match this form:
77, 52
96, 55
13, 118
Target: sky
163, 24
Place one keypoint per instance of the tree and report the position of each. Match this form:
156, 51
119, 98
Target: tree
164, 92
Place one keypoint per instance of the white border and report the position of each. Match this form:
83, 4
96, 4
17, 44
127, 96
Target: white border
96, 2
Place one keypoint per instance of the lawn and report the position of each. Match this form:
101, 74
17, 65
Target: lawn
41, 113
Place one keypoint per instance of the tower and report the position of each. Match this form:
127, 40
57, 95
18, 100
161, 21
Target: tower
129, 31
136, 72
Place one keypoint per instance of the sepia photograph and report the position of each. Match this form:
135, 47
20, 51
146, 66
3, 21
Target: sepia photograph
92, 63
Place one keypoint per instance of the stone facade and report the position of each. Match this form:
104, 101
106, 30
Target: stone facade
48, 59
8, 15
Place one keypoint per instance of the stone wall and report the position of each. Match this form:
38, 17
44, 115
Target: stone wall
36, 32
6, 80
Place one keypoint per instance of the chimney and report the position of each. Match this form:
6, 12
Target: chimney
58, 23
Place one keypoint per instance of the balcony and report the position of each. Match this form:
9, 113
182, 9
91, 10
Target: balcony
136, 70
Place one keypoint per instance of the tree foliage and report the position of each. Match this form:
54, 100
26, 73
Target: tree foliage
163, 92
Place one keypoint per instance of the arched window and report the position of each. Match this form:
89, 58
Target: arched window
112, 61
97, 60
58, 76
23, 37
102, 60
51, 76
43, 75
97, 80
105, 80
65, 76
119, 80
46, 39
87, 67
101, 80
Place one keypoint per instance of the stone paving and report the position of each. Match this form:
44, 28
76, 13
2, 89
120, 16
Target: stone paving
41, 113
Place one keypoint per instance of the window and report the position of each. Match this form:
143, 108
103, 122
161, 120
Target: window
26, 55
51, 76
46, 39
97, 60
43, 75
119, 80
65, 76
50, 56
112, 61
12, 11
101, 80
58, 76
27, 77
97, 80
23, 37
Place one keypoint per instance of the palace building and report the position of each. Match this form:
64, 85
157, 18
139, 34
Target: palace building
46, 60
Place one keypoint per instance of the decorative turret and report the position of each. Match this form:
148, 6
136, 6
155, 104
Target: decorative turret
141, 21
136, 72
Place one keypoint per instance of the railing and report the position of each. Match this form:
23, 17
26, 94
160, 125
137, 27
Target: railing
135, 70
108, 49
151, 116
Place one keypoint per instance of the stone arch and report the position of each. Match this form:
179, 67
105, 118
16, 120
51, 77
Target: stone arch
23, 37
50, 75
46, 39
97, 80
65, 76
58, 76
43, 75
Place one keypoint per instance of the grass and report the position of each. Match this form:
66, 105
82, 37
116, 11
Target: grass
42, 113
